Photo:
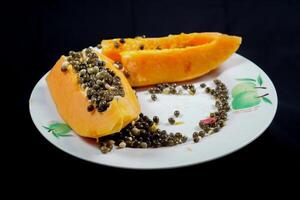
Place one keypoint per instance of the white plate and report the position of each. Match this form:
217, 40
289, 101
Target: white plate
246, 122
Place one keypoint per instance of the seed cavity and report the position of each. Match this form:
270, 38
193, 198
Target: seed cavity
100, 83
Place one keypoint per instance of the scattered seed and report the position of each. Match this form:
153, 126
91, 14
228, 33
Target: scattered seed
221, 123
212, 114
171, 120
176, 113
153, 128
196, 139
135, 131
173, 90
216, 129
153, 97
156, 119
192, 91
217, 81
201, 133
202, 85
185, 86
143, 145
207, 90
191, 86
184, 139
122, 145
171, 142
105, 149
206, 129
195, 134
110, 142
178, 135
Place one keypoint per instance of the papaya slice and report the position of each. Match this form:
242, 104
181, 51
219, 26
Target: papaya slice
173, 58
74, 106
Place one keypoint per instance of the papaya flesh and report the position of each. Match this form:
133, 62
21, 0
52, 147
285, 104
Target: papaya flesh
71, 102
173, 58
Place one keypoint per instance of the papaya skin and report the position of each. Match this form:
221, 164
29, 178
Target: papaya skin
71, 103
181, 57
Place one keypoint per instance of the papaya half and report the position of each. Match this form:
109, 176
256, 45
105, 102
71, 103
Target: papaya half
173, 58
91, 95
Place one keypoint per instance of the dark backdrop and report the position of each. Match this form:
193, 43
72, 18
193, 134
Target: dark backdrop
42, 31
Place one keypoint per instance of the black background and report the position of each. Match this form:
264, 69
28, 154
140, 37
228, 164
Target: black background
42, 31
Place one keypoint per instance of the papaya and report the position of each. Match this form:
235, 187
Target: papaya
91, 95
173, 58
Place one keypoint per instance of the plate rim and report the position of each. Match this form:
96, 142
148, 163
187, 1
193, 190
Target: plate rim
266, 125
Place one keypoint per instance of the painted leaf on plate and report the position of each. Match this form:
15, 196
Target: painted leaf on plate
59, 129
267, 100
245, 79
259, 80
245, 100
243, 87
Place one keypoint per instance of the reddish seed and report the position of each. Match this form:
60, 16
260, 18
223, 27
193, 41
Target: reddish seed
209, 120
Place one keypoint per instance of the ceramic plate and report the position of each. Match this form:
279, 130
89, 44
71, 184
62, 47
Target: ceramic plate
252, 111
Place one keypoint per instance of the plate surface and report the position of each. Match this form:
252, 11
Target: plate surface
249, 117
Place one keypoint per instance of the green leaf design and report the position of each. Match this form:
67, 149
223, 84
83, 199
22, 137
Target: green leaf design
244, 100
45, 127
245, 93
245, 79
53, 133
259, 80
267, 100
59, 129
67, 135
243, 87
